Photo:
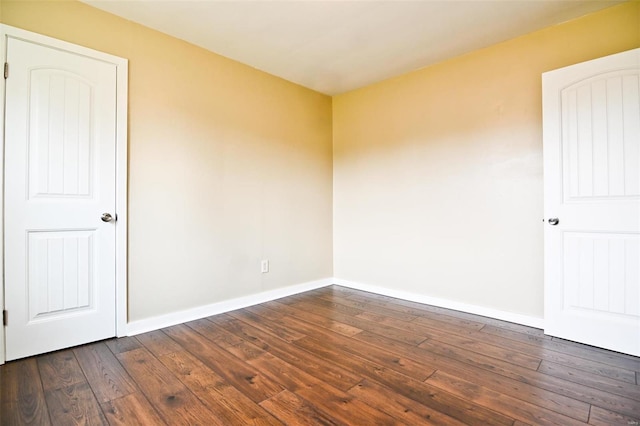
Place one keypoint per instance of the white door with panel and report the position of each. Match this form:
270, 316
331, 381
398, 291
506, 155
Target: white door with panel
60, 177
592, 202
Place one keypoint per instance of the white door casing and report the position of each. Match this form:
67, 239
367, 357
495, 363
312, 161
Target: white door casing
64, 165
591, 116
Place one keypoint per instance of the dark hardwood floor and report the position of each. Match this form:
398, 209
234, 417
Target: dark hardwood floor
329, 356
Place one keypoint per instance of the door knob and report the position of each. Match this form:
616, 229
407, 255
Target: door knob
106, 217
553, 221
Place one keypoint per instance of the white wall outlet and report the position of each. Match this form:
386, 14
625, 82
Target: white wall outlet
264, 266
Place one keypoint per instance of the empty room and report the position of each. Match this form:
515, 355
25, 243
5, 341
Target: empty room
320, 212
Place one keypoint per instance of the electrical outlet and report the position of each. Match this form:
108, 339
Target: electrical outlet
264, 266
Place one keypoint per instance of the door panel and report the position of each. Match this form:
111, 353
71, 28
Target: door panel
59, 178
60, 162
592, 184
600, 121
59, 280
600, 272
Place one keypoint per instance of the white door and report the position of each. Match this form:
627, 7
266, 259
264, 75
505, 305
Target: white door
591, 117
60, 146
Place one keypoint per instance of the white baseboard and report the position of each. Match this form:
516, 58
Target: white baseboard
180, 317
445, 303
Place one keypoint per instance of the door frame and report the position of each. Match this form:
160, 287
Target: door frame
121, 64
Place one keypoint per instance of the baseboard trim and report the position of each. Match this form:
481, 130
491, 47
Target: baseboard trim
180, 317
445, 303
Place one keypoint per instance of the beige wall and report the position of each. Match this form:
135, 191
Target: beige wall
227, 165
438, 173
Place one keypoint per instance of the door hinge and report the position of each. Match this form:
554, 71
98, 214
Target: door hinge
6, 70
4, 317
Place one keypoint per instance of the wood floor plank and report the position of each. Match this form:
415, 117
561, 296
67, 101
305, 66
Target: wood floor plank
158, 343
470, 357
551, 351
320, 320
570, 360
420, 311
305, 325
74, 405
172, 399
328, 304
105, 375
364, 306
592, 396
22, 395
515, 408
506, 336
229, 404
601, 417
332, 401
345, 408
393, 361
297, 381
122, 344
59, 369
268, 327
220, 336
265, 312
375, 354
293, 410
292, 378
247, 352
462, 328
236, 372
400, 407
332, 356
592, 380
354, 321
336, 289
419, 391
133, 409
466, 342
513, 387
562, 387
429, 310
585, 346
318, 367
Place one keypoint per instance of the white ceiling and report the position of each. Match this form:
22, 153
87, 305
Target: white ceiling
335, 46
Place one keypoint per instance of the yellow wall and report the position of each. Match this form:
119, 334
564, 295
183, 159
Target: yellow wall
438, 173
227, 165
